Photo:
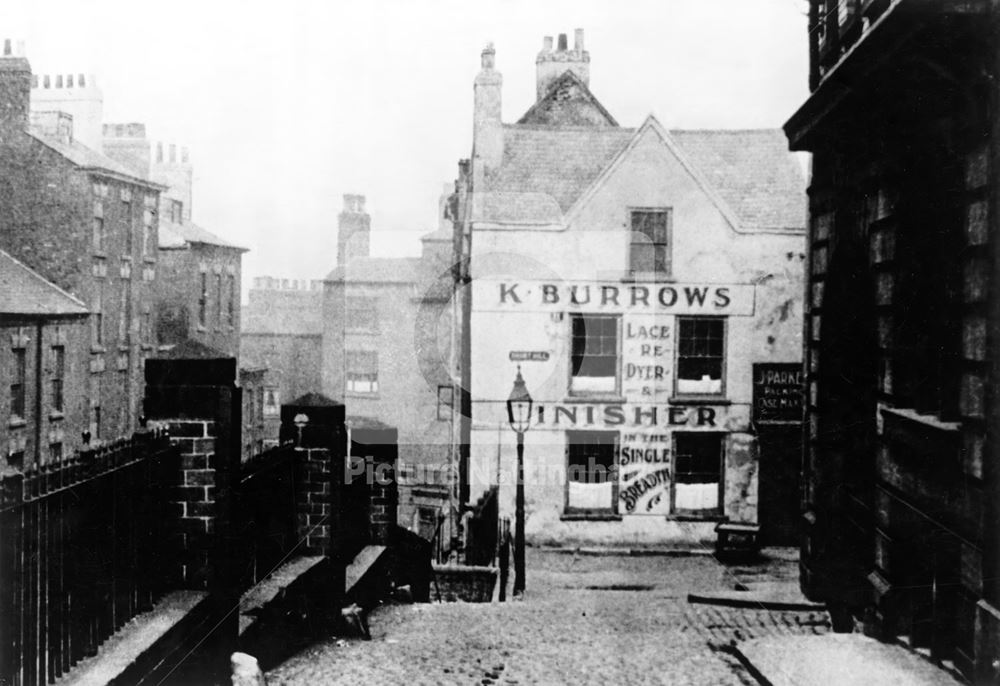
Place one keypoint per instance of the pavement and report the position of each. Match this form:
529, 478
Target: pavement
585, 619
839, 660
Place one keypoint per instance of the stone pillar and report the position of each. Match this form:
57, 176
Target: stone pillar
378, 445
192, 392
314, 425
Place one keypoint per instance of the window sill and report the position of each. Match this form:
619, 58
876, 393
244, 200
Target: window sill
100, 255
17, 423
362, 394
699, 400
590, 517
56, 415
594, 397
98, 349
928, 420
148, 259
691, 517
648, 277
201, 328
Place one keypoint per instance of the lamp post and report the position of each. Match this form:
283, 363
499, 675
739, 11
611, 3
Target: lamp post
519, 415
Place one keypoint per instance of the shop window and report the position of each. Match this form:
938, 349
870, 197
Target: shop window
362, 371
649, 252
445, 402
58, 377
697, 473
17, 384
362, 314
594, 354
591, 480
700, 355
272, 402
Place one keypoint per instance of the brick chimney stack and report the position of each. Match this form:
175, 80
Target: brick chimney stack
551, 64
487, 130
353, 230
15, 87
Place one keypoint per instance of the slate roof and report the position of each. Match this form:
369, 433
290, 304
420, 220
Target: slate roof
544, 171
24, 292
85, 158
173, 235
542, 163
753, 171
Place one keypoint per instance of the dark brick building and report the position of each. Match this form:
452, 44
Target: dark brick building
88, 224
902, 476
44, 408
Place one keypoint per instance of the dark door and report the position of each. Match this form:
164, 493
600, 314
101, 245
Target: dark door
780, 454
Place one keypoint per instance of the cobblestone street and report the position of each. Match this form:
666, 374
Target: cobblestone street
584, 620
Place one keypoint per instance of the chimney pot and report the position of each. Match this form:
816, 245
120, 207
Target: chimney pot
562, 42
578, 40
547, 44
488, 56
59, 81
46, 82
6, 47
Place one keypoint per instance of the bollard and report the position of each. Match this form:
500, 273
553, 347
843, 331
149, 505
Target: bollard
246, 671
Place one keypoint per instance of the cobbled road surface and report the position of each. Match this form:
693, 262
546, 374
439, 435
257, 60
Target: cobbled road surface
584, 620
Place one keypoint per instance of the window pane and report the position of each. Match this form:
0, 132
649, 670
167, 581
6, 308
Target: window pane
590, 475
697, 472
700, 355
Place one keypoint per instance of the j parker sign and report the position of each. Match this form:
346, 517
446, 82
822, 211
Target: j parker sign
596, 296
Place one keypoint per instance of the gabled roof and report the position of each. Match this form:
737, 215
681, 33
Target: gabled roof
753, 171
750, 174
85, 158
173, 235
542, 164
568, 102
25, 293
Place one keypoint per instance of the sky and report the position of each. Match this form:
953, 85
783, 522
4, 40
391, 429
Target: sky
286, 106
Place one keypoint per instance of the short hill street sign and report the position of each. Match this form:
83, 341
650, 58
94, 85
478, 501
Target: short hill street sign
529, 356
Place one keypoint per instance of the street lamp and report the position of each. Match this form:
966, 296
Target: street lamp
519, 416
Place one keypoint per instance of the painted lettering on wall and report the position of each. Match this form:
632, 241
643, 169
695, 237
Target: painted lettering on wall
557, 415
721, 299
777, 392
652, 487
644, 473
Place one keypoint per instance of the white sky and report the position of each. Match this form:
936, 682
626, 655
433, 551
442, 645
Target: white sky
285, 106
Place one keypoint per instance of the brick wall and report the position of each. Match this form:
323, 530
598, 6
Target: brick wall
313, 499
194, 500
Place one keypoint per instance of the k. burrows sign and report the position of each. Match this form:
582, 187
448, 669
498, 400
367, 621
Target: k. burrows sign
595, 296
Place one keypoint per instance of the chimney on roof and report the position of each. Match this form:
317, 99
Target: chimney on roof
77, 95
487, 130
15, 87
353, 230
550, 65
